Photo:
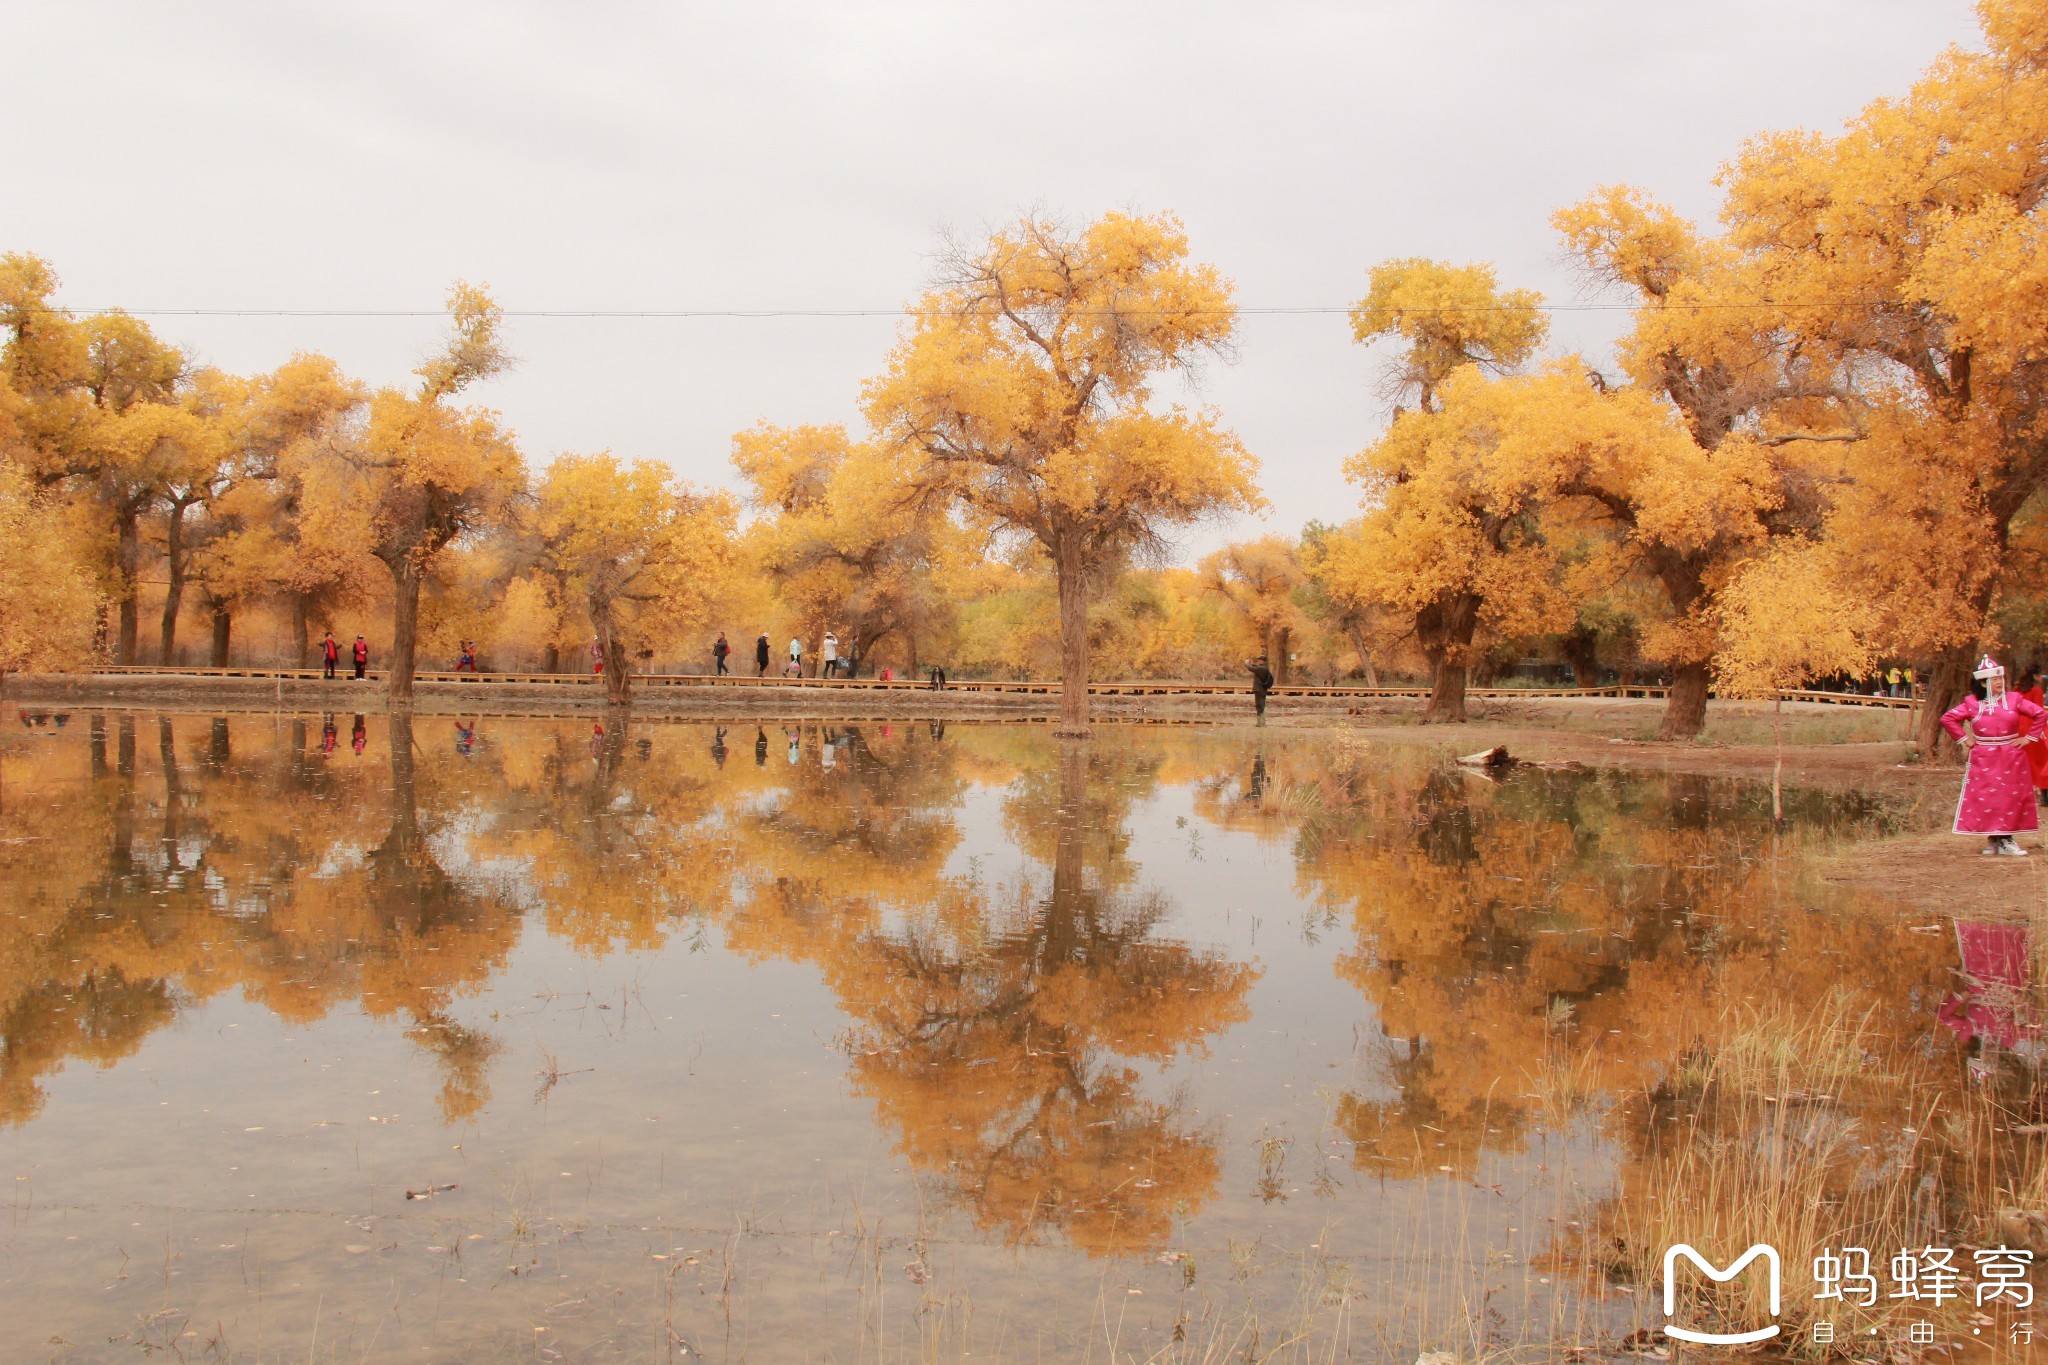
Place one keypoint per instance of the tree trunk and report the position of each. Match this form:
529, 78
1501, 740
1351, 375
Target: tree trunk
130, 565
1073, 584
1446, 693
1277, 655
1946, 684
618, 679
554, 658
174, 591
1685, 714
302, 646
1445, 628
223, 625
1581, 649
405, 629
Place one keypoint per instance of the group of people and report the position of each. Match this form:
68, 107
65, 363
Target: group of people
831, 663
359, 654
2004, 732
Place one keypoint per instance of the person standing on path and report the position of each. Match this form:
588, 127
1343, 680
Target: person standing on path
361, 653
829, 656
761, 656
1262, 683
330, 657
2037, 753
1997, 800
796, 657
718, 653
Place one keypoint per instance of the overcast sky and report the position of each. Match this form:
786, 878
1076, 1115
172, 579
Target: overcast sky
767, 156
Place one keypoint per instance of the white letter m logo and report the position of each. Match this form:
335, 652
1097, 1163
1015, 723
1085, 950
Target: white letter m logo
1671, 1255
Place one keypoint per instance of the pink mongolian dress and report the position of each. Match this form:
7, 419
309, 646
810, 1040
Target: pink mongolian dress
1998, 789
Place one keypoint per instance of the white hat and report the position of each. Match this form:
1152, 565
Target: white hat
1989, 668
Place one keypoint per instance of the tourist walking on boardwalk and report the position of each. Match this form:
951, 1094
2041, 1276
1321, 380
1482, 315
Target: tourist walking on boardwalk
829, 655
718, 653
761, 656
330, 656
1997, 799
361, 653
597, 656
1262, 683
796, 657
466, 661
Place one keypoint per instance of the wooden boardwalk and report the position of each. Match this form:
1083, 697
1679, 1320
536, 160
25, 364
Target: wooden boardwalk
1164, 689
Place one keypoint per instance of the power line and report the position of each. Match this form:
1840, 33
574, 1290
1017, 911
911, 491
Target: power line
771, 313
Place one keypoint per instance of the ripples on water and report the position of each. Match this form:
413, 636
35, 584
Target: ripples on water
353, 1038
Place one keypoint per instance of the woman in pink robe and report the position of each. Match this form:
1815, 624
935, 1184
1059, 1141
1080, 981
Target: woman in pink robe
1997, 800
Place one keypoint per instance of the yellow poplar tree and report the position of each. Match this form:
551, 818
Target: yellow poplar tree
640, 552
1258, 581
1445, 542
1023, 393
1910, 248
848, 543
1725, 436
47, 602
432, 473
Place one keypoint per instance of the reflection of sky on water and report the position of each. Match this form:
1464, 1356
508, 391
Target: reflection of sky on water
1025, 1019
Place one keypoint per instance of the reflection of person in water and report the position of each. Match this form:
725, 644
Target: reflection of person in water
329, 736
1993, 1005
795, 746
597, 740
718, 741
760, 747
1255, 791
465, 738
359, 738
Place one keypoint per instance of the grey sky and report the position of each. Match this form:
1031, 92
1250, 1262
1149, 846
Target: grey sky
616, 156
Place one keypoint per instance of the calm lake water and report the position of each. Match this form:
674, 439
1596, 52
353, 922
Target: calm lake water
537, 1039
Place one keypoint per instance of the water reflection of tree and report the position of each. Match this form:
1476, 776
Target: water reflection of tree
253, 868
1555, 939
1005, 1037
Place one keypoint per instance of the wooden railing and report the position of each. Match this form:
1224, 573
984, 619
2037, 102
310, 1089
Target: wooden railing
995, 686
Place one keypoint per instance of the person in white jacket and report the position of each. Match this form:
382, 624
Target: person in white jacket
830, 655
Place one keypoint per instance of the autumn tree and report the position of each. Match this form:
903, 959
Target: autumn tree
428, 473
1909, 247
47, 602
261, 538
1762, 419
1258, 581
100, 417
636, 549
1445, 540
1023, 393
845, 539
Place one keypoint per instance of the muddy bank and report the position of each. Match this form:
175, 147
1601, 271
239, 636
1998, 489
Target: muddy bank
1943, 874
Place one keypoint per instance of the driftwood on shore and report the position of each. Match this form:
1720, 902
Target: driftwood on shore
1498, 759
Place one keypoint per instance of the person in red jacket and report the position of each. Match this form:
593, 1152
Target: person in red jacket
2037, 754
330, 656
362, 655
